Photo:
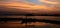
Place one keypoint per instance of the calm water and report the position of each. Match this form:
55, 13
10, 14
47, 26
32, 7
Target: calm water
34, 17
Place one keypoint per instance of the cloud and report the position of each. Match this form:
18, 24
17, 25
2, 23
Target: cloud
22, 5
48, 2
6, 10
30, 7
10, 0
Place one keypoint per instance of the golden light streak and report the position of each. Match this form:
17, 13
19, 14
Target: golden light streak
48, 2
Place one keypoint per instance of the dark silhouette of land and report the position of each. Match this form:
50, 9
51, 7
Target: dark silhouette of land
10, 14
30, 20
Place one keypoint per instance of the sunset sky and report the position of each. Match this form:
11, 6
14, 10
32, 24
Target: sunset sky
30, 6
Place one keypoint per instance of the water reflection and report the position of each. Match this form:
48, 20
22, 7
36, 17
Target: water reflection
16, 24
34, 17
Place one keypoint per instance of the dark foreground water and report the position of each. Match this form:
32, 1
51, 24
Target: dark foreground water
16, 24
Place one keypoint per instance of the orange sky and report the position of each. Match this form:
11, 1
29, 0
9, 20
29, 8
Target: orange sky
30, 7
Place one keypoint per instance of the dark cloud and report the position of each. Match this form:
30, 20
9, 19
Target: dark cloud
6, 10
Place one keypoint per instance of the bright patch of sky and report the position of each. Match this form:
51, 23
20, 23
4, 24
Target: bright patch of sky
34, 1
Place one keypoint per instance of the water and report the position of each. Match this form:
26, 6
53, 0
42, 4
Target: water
34, 17
16, 24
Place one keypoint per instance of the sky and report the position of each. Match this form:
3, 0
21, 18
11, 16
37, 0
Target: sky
31, 6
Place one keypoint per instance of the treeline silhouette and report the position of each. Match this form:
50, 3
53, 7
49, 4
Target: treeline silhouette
29, 20
30, 14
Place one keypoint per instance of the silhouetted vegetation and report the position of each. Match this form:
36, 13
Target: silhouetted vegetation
29, 15
31, 20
